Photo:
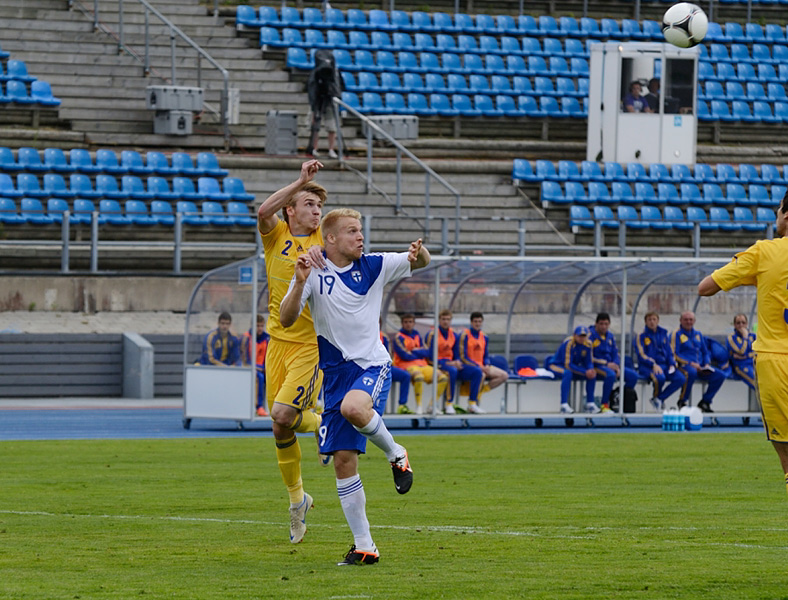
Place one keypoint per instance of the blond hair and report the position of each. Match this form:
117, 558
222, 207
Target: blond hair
309, 187
329, 222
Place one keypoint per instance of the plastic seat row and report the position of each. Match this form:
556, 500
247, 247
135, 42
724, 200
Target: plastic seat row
131, 161
16, 92
465, 105
133, 212
131, 186
737, 53
440, 22
683, 194
736, 90
567, 170
749, 33
458, 83
758, 111
427, 62
421, 42
724, 71
650, 217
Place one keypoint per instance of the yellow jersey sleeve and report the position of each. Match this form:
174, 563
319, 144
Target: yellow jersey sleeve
281, 249
763, 264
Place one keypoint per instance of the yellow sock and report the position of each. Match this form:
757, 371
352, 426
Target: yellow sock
786, 482
418, 386
442, 385
288, 455
306, 422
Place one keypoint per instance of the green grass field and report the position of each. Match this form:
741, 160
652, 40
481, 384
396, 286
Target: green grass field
600, 515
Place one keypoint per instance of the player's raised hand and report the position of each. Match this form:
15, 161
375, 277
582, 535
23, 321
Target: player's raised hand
302, 267
309, 169
414, 250
315, 254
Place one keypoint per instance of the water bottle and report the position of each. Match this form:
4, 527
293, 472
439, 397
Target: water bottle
665, 420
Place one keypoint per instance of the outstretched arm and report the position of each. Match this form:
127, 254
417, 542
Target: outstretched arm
290, 307
266, 214
418, 255
708, 287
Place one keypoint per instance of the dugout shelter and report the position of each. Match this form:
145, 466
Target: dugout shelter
529, 303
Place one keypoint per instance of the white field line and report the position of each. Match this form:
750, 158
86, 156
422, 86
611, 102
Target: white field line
572, 532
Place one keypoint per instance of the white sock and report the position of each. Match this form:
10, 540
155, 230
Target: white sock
354, 505
377, 433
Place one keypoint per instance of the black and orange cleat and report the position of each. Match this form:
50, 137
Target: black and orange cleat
360, 557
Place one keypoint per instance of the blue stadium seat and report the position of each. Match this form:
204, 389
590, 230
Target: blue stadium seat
527, 25
136, 211
652, 29
442, 104
83, 212
358, 40
161, 211
132, 161
551, 193
681, 173
574, 48
290, 17
390, 82
239, 214
580, 218
7, 187
569, 27
41, 93
749, 173
569, 170
28, 184
16, 91
636, 172
209, 187
488, 45
395, 103
478, 84
734, 91
778, 192
758, 195
629, 216
379, 20
157, 161
571, 107
313, 38
735, 32
448, 43
507, 106
313, 18
334, 18
107, 187
419, 105
735, 193
598, 193
506, 25
443, 22
16, 70
604, 216
190, 215
270, 37
545, 169
160, 188
762, 111
55, 209
400, 20
712, 195
134, 188
408, 62
500, 84
690, 194
422, 21
696, 215
33, 212
30, 160
456, 83
575, 193
775, 33
667, 194
183, 164
726, 173
765, 215
208, 164
82, 187
720, 216
741, 111
610, 28
770, 174
621, 192
523, 171
631, 29
107, 162
530, 47
510, 46
591, 170
676, 218
234, 186
538, 66
558, 66
614, 171
652, 218
55, 185
543, 86
644, 193
214, 213
423, 42
55, 160
578, 66
183, 187
246, 17
9, 214
781, 110
529, 106
111, 212
80, 160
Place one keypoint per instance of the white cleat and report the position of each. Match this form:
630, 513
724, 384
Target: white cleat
449, 410
475, 409
566, 409
419, 409
298, 519
592, 408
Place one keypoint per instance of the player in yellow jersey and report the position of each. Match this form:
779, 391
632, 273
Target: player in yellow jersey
293, 377
765, 265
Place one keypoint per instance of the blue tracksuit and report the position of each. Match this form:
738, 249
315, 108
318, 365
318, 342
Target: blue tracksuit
605, 351
653, 348
399, 375
742, 356
572, 360
690, 346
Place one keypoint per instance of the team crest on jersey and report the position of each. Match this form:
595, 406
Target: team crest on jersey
356, 275
367, 381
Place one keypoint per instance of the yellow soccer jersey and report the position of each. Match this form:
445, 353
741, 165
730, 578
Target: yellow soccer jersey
764, 265
282, 249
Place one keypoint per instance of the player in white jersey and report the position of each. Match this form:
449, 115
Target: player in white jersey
344, 300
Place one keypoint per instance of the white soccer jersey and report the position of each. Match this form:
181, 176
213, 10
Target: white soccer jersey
345, 307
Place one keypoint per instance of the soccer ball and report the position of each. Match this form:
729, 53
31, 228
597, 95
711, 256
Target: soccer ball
685, 25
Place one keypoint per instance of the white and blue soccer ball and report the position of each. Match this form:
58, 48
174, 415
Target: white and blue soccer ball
685, 25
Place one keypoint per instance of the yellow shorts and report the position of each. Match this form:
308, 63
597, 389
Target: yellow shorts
292, 374
771, 375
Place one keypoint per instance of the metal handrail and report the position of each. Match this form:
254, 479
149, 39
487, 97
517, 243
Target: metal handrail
175, 31
372, 126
